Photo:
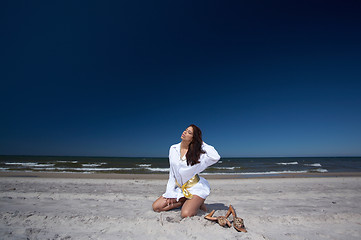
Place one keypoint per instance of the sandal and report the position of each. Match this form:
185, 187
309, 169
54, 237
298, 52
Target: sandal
222, 220
238, 222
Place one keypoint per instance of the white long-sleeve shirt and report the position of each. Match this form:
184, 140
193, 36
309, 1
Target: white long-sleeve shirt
180, 171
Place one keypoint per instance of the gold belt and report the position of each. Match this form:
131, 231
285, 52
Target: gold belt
190, 183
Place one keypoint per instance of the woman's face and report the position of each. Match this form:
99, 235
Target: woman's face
187, 135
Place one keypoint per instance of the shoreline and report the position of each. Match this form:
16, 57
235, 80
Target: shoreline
165, 176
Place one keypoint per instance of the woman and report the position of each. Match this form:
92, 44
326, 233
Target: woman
185, 188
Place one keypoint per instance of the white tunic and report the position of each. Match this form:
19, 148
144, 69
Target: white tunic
180, 171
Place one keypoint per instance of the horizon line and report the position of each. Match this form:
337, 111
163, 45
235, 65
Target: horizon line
94, 156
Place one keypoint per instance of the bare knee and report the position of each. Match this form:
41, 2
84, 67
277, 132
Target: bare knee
156, 207
159, 204
187, 213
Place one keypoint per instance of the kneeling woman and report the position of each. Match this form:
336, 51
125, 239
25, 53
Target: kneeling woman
185, 187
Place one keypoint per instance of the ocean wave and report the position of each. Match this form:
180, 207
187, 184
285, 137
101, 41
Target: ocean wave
93, 164
158, 169
144, 165
102, 169
320, 170
85, 169
313, 165
287, 163
224, 168
44, 165
105, 169
255, 173
68, 161
30, 164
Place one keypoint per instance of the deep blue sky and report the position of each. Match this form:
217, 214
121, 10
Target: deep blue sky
124, 78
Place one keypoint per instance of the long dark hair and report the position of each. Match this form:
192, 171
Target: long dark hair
195, 147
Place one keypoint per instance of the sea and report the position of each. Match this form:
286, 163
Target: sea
132, 165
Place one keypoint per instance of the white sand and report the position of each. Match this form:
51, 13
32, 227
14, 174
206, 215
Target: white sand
281, 208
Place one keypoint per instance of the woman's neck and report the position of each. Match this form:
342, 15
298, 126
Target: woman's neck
184, 145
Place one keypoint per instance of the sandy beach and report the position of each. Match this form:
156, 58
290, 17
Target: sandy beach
99, 208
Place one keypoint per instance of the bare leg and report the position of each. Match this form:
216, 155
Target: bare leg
203, 207
191, 206
160, 204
